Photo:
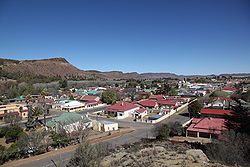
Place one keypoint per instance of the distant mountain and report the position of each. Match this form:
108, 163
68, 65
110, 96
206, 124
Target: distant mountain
60, 67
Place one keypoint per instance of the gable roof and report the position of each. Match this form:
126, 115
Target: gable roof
215, 111
148, 103
89, 98
207, 125
141, 110
121, 106
167, 102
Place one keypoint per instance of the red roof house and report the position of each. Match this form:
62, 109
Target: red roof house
206, 127
121, 109
149, 103
86, 98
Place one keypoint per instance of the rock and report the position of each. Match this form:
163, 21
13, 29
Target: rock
198, 155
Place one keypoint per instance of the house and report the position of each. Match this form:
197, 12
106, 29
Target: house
73, 106
149, 104
140, 113
93, 104
105, 126
121, 110
69, 121
215, 113
167, 103
86, 98
206, 127
219, 102
20, 110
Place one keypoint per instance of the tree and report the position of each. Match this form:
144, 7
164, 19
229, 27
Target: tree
63, 83
60, 139
71, 98
239, 121
109, 96
162, 131
194, 109
11, 118
88, 155
233, 150
176, 129
13, 133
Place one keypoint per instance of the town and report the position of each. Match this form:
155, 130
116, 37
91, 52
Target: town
194, 110
125, 83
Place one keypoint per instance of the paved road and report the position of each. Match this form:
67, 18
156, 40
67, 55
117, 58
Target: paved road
142, 130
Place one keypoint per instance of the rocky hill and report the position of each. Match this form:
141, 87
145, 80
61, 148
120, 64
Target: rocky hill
60, 67
162, 154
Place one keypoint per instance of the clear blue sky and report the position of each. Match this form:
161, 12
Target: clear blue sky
179, 36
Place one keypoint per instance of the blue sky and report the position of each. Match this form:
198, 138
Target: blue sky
179, 36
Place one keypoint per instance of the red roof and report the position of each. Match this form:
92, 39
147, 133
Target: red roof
121, 106
215, 111
157, 97
229, 88
141, 110
148, 103
166, 102
93, 102
89, 98
207, 125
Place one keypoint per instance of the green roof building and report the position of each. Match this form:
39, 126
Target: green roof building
69, 121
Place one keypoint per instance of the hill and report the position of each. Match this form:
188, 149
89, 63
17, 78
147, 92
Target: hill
61, 68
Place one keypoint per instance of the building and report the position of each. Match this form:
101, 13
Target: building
140, 113
206, 127
86, 98
69, 121
149, 104
93, 104
167, 103
105, 126
73, 106
228, 90
121, 110
215, 113
20, 110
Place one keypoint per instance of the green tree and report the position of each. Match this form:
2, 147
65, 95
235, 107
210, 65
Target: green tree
60, 139
3, 157
162, 131
13, 133
71, 98
194, 109
109, 96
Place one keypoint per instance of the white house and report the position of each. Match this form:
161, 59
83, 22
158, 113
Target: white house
73, 106
105, 126
121, 110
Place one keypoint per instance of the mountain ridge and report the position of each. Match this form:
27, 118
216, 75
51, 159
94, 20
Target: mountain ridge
60, 67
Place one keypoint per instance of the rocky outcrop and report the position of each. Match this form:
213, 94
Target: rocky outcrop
159, 156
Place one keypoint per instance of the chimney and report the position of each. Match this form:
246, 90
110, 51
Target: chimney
122, 104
